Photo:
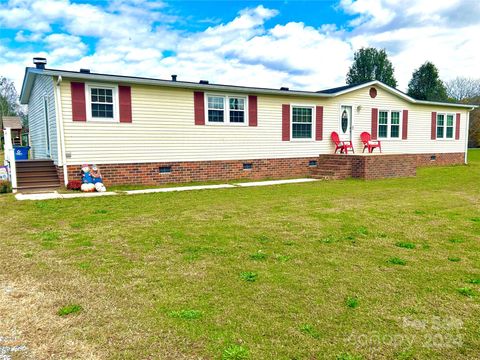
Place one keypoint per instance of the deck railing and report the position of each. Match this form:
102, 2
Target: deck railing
10, 158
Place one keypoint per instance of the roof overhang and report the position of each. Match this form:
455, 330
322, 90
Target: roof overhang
30, 74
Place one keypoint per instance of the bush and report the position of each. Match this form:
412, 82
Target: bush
74, 185
5, 187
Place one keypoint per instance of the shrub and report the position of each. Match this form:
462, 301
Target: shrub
74, 185
5, 187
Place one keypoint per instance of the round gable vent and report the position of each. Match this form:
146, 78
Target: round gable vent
373, 92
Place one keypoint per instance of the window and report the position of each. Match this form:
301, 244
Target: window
216, 108
247, 166
102, 103
234, 113
444, 126
302, 122
389, 124
237, 110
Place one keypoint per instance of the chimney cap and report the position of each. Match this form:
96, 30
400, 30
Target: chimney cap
174, 77
85, 71
40, 62
283, 88
203, 81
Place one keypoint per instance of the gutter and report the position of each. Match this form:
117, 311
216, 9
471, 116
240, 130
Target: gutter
219, 87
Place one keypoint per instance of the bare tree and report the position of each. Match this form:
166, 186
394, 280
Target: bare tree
9, 101
462, 88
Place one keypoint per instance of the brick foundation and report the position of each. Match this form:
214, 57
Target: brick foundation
181, 172
440, 159
328, 166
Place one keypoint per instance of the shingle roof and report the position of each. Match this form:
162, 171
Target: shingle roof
341, 88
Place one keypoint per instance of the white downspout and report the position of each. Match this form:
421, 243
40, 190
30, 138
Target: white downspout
58, 106
467, 128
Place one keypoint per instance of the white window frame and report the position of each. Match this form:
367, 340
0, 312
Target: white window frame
116, 107
311, 106
389, 125
226, 110
444, 138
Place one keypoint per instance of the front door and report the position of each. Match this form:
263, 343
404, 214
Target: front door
345, 123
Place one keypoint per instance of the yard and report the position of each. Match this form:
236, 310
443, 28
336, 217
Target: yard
386, 269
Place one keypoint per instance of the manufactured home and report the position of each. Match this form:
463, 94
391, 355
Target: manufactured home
150, 131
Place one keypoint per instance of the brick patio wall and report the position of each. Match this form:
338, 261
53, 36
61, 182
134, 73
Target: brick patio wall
331, 166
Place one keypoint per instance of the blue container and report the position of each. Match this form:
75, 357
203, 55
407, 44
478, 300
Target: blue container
21, 152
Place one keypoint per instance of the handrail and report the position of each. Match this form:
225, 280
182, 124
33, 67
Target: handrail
10, 157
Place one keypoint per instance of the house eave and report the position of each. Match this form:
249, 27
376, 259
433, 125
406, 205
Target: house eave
178, 84
30, 74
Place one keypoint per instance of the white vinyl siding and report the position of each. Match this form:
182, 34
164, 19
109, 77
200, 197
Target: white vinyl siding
163, 129
42, 91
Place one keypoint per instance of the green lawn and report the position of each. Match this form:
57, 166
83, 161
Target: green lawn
386, 269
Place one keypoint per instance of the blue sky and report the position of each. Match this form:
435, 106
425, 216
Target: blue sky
300, 44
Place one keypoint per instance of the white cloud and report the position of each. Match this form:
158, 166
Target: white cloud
138, 37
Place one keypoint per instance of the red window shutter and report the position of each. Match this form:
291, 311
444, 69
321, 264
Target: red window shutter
285, 122
125, 102
405, 125
457, 127
319, 123
79, 108
374, 123
433, 133
252, 110
199, 107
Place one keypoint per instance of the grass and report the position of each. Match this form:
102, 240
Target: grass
235, 352
352, 302
69, 309
405, 245
168, 275
397, 261
186, 314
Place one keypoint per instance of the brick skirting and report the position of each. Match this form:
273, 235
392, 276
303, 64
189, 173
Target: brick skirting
186, 171
328, 166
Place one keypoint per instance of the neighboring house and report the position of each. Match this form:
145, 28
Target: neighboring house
142, 130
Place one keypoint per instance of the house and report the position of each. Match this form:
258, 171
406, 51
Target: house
149, 131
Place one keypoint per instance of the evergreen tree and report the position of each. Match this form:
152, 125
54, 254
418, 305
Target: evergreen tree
426, 84
371, 64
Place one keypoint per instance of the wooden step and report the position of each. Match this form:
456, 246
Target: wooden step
36, 173
33, 188
33, 181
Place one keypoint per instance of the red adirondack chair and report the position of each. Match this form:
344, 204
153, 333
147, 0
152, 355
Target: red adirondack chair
343, 146
370, 144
